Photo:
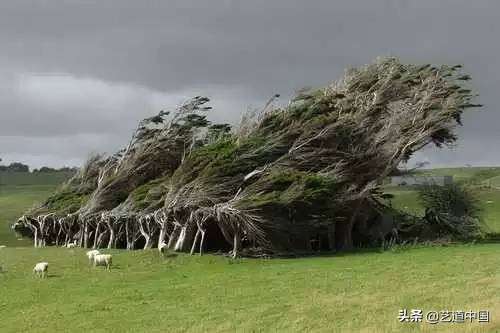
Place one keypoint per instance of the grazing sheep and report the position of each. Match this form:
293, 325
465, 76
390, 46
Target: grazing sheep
103, 260
162, 248
3, 246
71, 245
91, 254
41, 269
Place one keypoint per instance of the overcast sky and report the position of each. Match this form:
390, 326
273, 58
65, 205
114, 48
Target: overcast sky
77, 76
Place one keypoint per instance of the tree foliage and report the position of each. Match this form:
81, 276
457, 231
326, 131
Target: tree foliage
284, 178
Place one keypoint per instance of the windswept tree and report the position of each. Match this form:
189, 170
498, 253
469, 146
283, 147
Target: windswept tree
302, 177
156, 149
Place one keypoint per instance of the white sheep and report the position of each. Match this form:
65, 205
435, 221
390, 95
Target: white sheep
3, 246
103, 260
41, 269
71, 245
162, 248
91, 254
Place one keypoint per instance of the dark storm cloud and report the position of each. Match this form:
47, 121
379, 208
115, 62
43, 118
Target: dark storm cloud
74, 69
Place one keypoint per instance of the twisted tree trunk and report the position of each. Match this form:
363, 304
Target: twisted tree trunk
36, 236
97, 234
145, 229
111, 230
60, 223
172, 241
101, 238
118, 234
41, 224
163, 223
127, 234
202, 241
179, 244
236, 243
86, 234
195, 241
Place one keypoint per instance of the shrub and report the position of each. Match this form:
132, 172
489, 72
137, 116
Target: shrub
456, 200
450, 211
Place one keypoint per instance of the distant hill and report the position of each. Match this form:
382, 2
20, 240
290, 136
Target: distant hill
469, 175
484, 180
18, 192
38, 178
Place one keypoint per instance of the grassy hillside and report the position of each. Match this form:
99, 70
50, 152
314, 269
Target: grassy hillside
31, 179
472, 175
351, 293
18, 192
485, 182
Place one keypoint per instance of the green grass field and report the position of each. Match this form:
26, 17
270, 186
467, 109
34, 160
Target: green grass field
357, 292
19, 191
351, 293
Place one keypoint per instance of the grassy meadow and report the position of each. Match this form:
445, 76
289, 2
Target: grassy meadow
357, 292
352, 293
19, 191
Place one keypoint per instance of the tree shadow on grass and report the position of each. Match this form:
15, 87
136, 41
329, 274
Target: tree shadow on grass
328, 254
53, 276
104, 269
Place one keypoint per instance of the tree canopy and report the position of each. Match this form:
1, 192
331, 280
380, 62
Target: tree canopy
284, 179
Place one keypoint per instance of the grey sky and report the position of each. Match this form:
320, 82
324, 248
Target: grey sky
76, 76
